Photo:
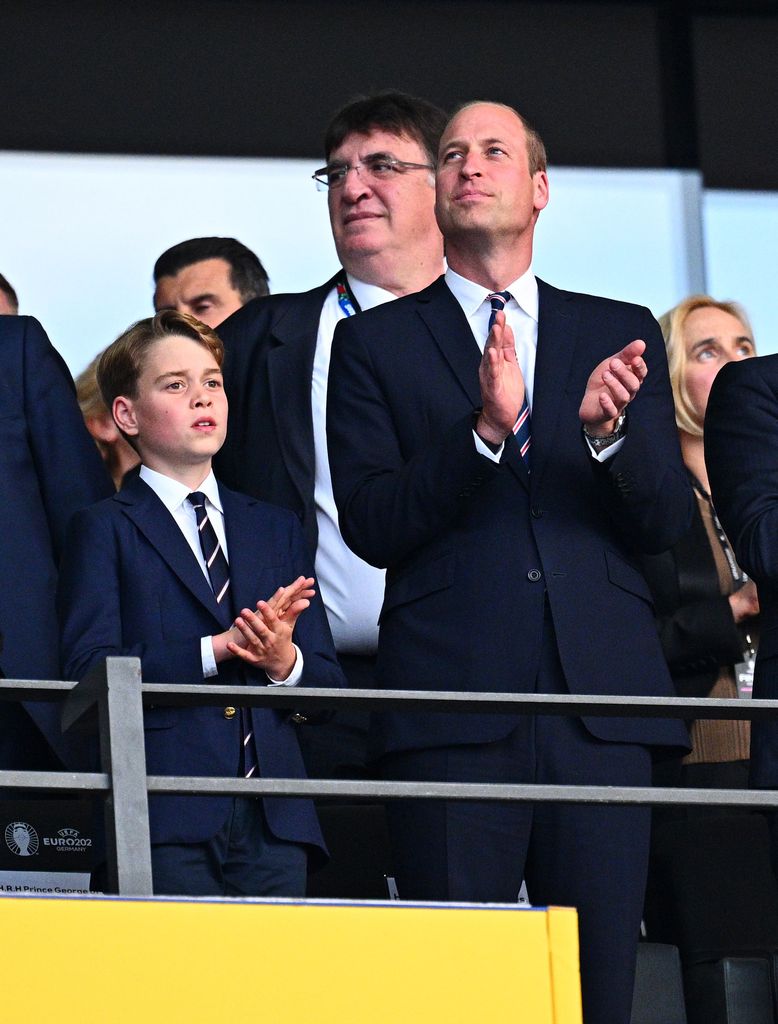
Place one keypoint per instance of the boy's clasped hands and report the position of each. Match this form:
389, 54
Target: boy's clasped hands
263, 638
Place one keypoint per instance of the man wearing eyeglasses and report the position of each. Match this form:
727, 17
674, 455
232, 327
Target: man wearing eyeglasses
509, 551
379, 182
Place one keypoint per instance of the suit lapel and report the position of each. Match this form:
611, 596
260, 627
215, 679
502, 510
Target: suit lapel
557, 336
243, 544
142, 506
290, 368
252, 557
445, 321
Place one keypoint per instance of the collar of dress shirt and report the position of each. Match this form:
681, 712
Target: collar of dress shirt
368, 295
470, 295
172, 493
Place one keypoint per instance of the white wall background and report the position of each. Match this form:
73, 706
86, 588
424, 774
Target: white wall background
741, 254
79, 235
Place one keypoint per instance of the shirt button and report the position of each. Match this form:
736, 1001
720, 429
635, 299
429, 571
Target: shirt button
536, 512
229, 712
534, 575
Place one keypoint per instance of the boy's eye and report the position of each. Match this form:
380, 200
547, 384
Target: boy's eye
214, 384
175, 385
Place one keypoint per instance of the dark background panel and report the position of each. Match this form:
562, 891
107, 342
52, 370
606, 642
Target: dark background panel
736, 78
626, 84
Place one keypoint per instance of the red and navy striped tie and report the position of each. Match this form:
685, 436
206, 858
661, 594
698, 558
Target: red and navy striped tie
522, 428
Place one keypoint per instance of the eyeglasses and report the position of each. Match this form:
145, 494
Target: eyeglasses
378, 167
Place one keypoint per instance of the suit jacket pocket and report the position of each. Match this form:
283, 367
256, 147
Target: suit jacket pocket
626, 576
160, 717
421, 580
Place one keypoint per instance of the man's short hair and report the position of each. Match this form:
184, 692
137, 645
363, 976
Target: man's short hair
395, 112
247, 275
9, 293
536, 150
119, 368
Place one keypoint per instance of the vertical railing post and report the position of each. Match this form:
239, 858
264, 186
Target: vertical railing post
123, 758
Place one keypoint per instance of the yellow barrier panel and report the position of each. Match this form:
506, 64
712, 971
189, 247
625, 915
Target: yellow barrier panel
110, 961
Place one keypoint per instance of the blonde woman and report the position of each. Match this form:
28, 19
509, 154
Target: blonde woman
118, 456
706, 607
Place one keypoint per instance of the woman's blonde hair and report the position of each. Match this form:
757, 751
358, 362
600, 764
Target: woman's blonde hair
672, 324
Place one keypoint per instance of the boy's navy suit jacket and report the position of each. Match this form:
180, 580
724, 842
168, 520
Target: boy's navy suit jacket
130, 585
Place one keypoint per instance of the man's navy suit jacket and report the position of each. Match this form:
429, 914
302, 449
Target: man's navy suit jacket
741, 454
268, 364
474, 549
49, 468
131, 585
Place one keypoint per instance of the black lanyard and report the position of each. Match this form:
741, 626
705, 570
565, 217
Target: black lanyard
738, 575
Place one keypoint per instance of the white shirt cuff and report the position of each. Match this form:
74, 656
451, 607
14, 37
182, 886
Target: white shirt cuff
606, 453
210, 668
484, 449
294, 676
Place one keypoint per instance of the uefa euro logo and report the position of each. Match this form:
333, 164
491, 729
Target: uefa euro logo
21, 839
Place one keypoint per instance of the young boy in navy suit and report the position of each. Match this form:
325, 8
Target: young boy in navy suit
184, 574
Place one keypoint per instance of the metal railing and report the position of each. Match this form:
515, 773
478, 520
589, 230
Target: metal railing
116, 693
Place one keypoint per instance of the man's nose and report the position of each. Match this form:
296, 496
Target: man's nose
355, 184
470, 166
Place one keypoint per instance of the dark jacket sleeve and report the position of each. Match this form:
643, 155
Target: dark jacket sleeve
71, 474
741, 433
695, 622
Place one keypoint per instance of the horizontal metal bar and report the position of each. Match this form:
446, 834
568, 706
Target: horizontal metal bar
475, 702
34, 689
92, 781
492, 792
470, 702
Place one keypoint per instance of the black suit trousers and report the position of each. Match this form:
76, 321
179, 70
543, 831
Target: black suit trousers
591, 857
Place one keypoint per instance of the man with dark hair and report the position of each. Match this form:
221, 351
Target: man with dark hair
510, 550
380, 189
9, 304
209, 278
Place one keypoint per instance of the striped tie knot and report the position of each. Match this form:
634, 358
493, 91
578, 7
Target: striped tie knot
498, 301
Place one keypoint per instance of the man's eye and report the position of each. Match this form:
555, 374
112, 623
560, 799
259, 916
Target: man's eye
453, 155
381, 167
495, 151
336, 175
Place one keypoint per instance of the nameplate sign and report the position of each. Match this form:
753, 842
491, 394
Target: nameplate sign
46, 846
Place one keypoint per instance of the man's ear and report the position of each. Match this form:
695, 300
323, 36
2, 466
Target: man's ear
540, 182
123, 410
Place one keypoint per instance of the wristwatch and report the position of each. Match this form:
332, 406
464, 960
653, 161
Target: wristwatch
601, 443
